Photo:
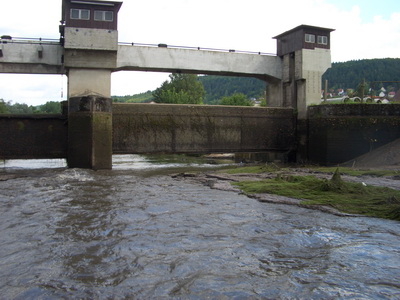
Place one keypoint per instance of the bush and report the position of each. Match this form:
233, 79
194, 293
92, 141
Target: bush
237, 99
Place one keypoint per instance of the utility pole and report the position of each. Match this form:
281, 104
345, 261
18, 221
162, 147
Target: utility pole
362, 90
326, 90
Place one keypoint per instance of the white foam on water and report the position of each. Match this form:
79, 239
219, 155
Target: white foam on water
33, 163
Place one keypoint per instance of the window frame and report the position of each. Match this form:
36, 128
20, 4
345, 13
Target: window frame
80, 10
322, 40
309, 38
103, 15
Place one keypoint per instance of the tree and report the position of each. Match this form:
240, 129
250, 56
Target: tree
220, 86
349, 74
362, 90
3, 107
181, 89
20, 108
50, 107
238, 99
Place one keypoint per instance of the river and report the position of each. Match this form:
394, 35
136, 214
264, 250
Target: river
135, 232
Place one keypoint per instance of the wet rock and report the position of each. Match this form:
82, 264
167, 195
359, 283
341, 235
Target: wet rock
5, 177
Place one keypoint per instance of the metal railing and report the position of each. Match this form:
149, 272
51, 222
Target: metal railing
194, 48
6, 39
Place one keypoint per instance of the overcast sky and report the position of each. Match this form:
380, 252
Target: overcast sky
364, 29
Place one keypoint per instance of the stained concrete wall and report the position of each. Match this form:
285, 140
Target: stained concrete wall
310, 67
339, 133
333, 133
146, 128
33, 136
90, 39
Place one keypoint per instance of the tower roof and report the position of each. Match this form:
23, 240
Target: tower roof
301, 27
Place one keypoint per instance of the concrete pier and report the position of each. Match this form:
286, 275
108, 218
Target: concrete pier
90, 132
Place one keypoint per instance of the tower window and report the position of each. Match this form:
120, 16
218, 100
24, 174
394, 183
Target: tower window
80, 14
100, 15
310, 38
323, 40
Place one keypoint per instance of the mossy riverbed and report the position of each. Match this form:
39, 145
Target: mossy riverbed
342, 189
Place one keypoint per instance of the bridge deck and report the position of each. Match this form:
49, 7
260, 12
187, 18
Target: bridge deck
45, 56
31, 56
198, 61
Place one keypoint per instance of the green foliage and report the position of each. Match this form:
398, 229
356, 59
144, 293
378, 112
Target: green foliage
356, 172
267, 168
362, 89
347, 197
238, 99
3, 107
349, 74
217, 87
138, 98
181, 89
50, 107
19, 108
335, 184
176, 97
272, 168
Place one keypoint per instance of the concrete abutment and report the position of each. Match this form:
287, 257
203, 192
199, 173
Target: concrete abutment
90, 132
332, 134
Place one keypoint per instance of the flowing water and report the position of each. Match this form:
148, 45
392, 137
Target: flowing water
136, 233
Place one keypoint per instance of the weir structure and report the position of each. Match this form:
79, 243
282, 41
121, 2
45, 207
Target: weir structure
88, 52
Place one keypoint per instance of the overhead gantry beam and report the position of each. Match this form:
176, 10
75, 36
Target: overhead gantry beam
41, 57
31, 56
180, 60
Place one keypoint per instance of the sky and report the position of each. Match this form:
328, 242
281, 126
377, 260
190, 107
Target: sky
364, 29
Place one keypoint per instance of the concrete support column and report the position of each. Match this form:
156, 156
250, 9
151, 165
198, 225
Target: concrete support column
89, 82
89, 119
310, 66
274, 94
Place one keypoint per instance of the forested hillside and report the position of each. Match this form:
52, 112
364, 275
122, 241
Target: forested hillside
138, 98
348, 75
217, 87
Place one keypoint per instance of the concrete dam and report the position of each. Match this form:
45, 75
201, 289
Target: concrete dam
91, 129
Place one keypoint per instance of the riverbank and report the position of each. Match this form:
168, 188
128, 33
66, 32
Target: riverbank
232, 180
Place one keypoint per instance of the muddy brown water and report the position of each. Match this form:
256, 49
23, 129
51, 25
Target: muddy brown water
136, 233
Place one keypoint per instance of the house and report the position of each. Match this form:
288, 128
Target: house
303, 37
90, 14
89, 25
